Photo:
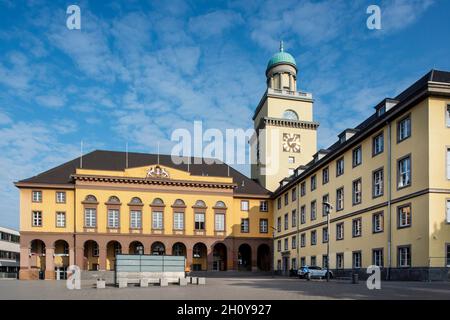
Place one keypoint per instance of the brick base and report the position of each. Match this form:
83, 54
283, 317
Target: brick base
49, 275
29, 274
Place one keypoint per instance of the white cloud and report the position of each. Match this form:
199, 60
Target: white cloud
399, 14
214, 23
51, 100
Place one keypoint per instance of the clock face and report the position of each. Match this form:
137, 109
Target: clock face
291, 142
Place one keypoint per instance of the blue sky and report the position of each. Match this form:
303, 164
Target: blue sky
137, 70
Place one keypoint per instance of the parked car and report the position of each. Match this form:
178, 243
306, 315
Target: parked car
309, 272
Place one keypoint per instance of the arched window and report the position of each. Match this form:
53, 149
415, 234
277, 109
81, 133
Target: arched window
220, 204
290, 115
90, 198
200, 203
113, 199
178, 202
158, 202
136, 200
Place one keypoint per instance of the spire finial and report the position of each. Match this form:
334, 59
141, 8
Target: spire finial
281, 46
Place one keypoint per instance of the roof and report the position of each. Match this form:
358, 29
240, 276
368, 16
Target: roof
372, 122
281, 58
116, 161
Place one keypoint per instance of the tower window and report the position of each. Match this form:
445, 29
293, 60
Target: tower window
290, 115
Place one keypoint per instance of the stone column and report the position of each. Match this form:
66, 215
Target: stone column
49, 263
71, 256
189, 259
231, 259
24, 272
102, 258
254, 261
209, 258
79, 257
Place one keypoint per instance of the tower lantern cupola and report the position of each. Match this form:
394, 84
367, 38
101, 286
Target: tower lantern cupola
281, 71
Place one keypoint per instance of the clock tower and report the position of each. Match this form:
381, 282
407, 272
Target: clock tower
285, 133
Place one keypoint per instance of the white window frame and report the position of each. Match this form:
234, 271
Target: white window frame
60, 219
303, 214
37, 196
263, 226
136, 219
263, 206
448, 211
340, 199
404, 129
325, 235
294, 242
199, 221
377, 221
378, 144
356, 259
340, 261
357, 156
447, 115
294, 218
404, 220
313, 210
37, 218
404, 253
286, 221
303, 240
244, 205
178, 221
60, 197
404, 172
219, 221
113, 218
357, 227
377, 256
340, 165
313, 237
245, 225
378, 181
157, 220
340, 231
286, 244
90, 217
357, 191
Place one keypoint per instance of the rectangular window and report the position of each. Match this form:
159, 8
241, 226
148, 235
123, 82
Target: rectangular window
294, 242
340, 231
357, 156
339, 261
286, 244
378, 185
60, 197
448, 211
339, 167
263, 206
303, 215
60, 219
199, 221
37, 218
286, 221
356, 255
90, 218
279, 245
325, 208
313, 237
404, 256
324, 261
219, 222
325, 235
113, 218
404, 216
357, 191
294, 218
447, 116
286, 199
302, 261
303, 240
157, 220
448, 255
178, 221
294, 194
135, 219
37, 196
244, 205
377, 257
294, 263
448, 163
245, 225
404, 129
378, 144
263, 225
340, 199
325, 175
313, 182
279, 203
356, 227
404, 172
377, 222
291, 160
313, 261
279, 224
303, 188
313, 210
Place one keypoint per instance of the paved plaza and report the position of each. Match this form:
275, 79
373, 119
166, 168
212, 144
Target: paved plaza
253, 288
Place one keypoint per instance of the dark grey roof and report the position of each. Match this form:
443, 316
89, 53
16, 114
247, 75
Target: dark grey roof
114, 160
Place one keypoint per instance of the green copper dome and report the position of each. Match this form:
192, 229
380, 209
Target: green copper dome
281, 58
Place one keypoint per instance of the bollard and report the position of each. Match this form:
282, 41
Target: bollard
143, 283
194, 280
188, 279
163, 282
123, 283
101, 284
201, 281
355, 278
182, 282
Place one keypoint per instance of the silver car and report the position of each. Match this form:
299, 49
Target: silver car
309, 272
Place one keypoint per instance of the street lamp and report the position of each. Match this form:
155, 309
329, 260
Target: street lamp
273, 250
330, 208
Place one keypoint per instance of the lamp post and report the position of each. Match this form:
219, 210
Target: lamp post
273, 251
330, 208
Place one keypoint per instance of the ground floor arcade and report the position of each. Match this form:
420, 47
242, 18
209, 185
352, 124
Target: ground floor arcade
47, 256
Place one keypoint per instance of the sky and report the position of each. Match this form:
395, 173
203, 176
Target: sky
138, 70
